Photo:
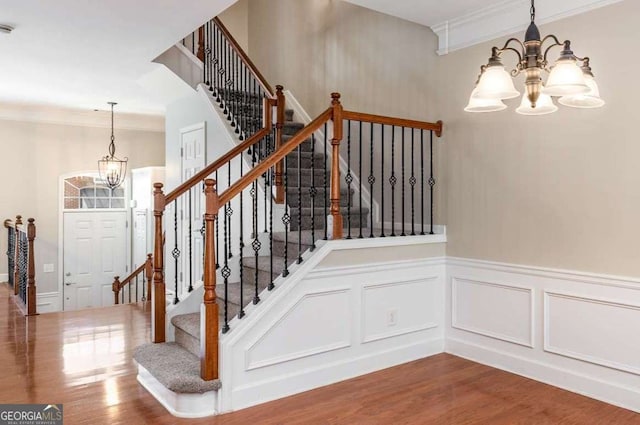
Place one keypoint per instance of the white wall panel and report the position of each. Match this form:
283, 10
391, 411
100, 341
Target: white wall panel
599, 331
496, 310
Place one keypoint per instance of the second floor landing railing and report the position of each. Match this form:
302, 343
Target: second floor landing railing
21, 262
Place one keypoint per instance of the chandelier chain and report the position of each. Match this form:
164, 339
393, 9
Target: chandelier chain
112, 145
533, 11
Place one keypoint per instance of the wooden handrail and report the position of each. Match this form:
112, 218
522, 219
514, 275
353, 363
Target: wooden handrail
211, 168
399, 122
146, 267
276, 156
254, 70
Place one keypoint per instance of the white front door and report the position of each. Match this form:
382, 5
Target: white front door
140, 248
95, 250
193, 141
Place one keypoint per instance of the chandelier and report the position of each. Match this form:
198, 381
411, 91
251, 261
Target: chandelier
570, 79
112, 170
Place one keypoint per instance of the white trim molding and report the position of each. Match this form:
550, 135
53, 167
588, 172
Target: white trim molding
505, 18
4, 277
571, 329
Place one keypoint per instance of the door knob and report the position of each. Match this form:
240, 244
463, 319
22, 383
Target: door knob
68, 274
69, 283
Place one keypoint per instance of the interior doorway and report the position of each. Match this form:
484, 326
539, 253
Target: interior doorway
95, 241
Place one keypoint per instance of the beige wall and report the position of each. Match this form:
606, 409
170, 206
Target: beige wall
315, 47
561, 190
34, 155
236, 19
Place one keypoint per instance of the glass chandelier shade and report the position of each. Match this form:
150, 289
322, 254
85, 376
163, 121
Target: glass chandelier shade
112, 170
495, 83
570, 78
591, 99
477, 104
566, 78
544, 106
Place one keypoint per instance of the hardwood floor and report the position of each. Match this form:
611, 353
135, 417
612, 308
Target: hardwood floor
83, 360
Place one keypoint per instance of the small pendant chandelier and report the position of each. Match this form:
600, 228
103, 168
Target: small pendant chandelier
573, 84
112, 170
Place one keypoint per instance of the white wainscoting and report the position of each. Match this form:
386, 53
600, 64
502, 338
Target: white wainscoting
4, 277
577, 331
324, 325
48, 302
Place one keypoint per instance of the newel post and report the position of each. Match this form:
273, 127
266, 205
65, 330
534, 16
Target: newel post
115, 287
31, 270
209, 307
279, 127
158, 306
16, 257
335, 166
148, 274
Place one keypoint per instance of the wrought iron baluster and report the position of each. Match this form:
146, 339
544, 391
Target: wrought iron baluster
299, 206
144, 284
326, 194
286, 218
372, 180
403, 183
349, 179
136, 288
190, 243
211, 55
205, 58
432, 180
256, 245
226, 271
361, 176
422, 182
393, 180
312, 192
241, 257
412, 182
230, 254
382, 235
271, 285
176, 252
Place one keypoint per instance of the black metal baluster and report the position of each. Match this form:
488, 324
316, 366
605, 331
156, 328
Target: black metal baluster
136, 288
382, 235
412, 182
243, 105
422, 182
121, 294
393, 180
217, 235
372, 180
129, 291
209, 50
256, 241
226, 272
176, 252
190, 244
326, 194
312, 191
241, 258
403, 167
230, 210
225, 87
144, 284
299, 206
361, 176
205, 66
220, 63
193, 43
286, 218
432, 180
271, 285
349, 179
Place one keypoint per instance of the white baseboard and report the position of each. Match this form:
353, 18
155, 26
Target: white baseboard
4, 277
590, 386
48, 302
179, 405
326, 374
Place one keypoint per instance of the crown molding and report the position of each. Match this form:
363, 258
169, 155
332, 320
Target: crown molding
504, 18
47, 114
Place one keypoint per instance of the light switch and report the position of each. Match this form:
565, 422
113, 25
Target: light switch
48, 268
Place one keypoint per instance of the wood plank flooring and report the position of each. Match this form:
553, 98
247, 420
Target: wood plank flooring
83, 360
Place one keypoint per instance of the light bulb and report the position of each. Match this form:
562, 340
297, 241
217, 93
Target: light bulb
544, 106
566, 78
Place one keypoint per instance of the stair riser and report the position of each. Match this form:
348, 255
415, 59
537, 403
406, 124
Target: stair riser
189, 342
306, 162
319, 221
264, 279
292, 199
292, 249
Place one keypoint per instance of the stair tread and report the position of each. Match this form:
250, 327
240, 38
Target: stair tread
189, 323
174, 367
264, 263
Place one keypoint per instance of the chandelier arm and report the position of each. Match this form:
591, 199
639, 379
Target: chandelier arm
546, 52
506, 47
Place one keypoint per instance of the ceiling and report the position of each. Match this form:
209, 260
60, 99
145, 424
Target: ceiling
82, 54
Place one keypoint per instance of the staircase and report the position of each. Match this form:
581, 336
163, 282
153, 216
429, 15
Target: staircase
311, 193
